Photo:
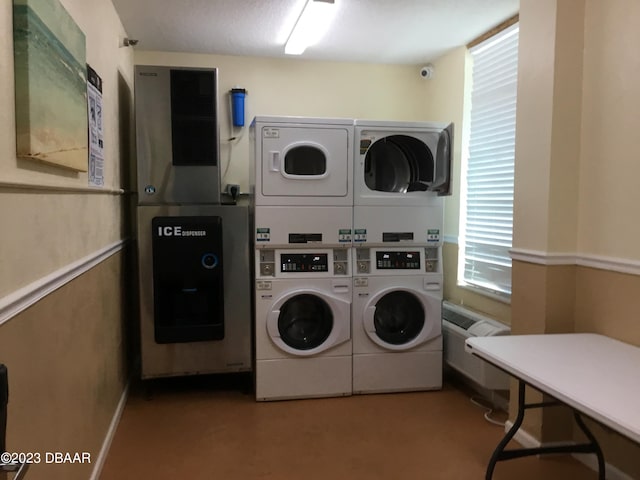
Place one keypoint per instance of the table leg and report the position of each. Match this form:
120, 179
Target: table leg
596, 447
500, 453
497, 453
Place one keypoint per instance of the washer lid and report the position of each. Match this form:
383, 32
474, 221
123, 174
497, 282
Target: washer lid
401, 318
305, 322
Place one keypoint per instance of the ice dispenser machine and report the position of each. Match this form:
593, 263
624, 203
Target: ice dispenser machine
193, 252
195, 289
188, 285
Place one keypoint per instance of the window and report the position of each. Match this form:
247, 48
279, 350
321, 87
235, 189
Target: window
486, 217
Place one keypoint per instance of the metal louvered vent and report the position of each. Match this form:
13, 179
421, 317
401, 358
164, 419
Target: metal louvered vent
458, 319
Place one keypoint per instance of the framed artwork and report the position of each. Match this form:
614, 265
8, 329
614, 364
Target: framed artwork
50, 84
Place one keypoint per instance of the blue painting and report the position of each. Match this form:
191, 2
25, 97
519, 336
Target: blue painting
51, 84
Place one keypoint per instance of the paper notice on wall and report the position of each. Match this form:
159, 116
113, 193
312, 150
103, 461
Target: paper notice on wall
96, 143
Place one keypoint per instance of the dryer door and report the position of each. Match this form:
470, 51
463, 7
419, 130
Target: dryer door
306, 322
406, 164
402, 318
305, 162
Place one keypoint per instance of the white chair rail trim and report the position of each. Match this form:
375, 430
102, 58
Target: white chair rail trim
620, 265
18, 301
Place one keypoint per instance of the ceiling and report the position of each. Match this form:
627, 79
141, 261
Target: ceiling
368, 31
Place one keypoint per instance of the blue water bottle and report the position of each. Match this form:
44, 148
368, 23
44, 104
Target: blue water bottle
237, 106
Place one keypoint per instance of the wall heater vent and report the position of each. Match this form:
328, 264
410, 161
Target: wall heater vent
458, 324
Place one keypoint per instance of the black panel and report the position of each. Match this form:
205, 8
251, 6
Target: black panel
396, 236
193, 117
188, 291
305, 237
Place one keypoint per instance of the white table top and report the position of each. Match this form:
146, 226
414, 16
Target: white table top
594, 374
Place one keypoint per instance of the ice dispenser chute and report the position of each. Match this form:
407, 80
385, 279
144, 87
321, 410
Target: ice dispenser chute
188, 287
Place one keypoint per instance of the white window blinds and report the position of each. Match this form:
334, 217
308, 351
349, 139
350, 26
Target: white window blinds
487, 203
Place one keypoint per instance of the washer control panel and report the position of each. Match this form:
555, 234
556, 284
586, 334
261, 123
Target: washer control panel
393, 260
397, 261
304, 262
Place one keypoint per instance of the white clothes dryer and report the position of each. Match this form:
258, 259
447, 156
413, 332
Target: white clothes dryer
303, 324
397, 326
391, 226
402, 163
303, 227
302, 161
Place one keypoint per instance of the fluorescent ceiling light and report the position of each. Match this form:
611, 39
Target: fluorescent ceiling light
311, 25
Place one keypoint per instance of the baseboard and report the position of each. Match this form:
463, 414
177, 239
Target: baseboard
612, 473
106, 444
588, 459
495, 398
522, 436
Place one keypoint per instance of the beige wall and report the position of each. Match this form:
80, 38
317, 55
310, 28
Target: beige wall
66, 354
576, 168
608, 303
533, 124
66, 361
579, 190
48, 231
303, 88
609, 166
448, 100
565, 130
575, 234
548, 125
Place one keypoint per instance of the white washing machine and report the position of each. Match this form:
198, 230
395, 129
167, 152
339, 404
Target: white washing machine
303, 323
302, 161
402, 163
303, 227
396, 319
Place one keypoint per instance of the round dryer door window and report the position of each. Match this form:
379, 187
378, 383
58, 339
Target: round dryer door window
399, 317
305, 322
399, 164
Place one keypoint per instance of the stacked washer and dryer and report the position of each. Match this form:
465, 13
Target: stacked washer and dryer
348, 220
302, 194
401, 172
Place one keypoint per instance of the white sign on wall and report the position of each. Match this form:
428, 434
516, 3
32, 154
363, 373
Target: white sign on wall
96, 142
